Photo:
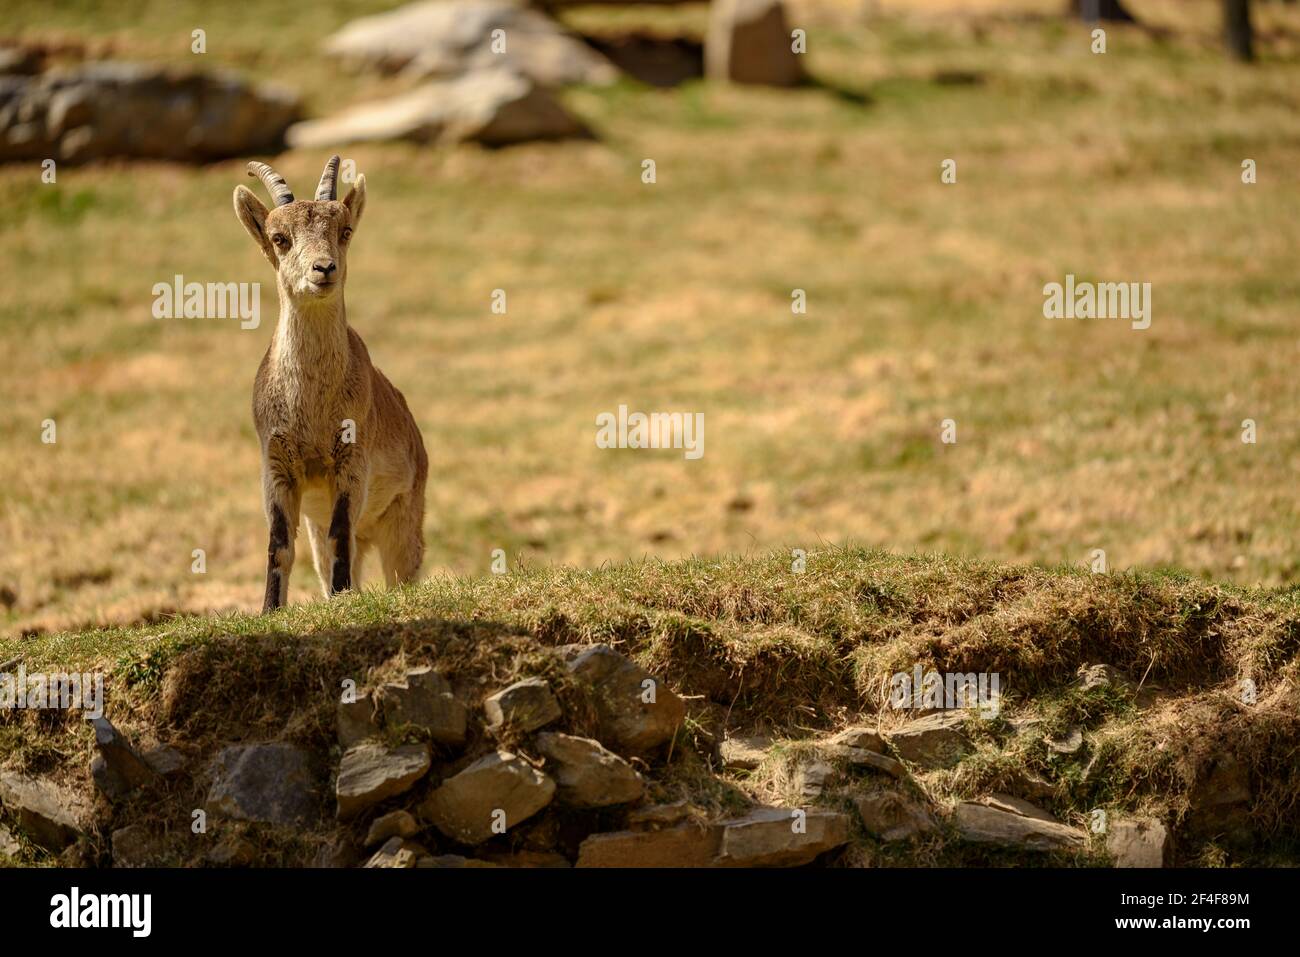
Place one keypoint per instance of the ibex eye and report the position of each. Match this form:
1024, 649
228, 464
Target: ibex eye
281, 240
347, 233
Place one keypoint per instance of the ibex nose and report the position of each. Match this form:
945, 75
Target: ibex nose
324, 267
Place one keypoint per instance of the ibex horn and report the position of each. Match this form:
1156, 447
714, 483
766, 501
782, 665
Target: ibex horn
329, 180
281, 195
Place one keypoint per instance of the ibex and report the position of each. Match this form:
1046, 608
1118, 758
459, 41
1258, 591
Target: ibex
339, 445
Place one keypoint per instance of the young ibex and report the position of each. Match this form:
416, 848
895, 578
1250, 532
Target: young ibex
339, 444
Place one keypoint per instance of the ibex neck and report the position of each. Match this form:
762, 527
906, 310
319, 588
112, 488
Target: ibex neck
314, 336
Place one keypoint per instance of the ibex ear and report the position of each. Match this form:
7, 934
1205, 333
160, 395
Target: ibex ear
355, 200
252, 214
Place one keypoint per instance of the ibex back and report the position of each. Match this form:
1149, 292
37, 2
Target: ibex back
339, 445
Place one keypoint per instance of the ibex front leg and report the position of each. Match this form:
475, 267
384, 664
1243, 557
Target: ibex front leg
350, 499
282, 498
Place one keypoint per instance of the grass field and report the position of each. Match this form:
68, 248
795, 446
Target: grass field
924, 304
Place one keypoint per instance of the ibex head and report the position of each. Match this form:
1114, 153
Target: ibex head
305, 240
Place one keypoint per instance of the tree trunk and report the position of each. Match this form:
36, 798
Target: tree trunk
1237, 31
1094, 10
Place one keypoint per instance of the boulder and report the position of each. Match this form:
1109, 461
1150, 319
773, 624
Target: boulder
636, 713
357, 720
686, 845
51, 816
369, 773
781, 837
524, 706
492, 107
1138, 843
452, 38
891, 816
490, 796
117, 769
273, 782
393, 824
935, 741
811, 778
749, 41
108, 108
744, 752
423, 699
981, 824
587, 774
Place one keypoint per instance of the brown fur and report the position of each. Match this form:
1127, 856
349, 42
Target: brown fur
315, 376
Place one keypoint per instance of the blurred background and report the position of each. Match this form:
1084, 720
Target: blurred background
523, 169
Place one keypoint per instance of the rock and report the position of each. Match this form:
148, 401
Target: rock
19, 59
686, 845
987, 825
9, 846
51, 816
233, 851
370, 773
1014, 805
135, 846
117, 770
749, 41
451, 38
263, 782
524, 706
106, 108
392, 824
490, 796
811, 778
862, 758
357, 720
1135, 843
1102, 676
492, 107
631, 721
891, 816
1068, 743
743, 752
587, 774
165, 761
659, 815
398, 852
935, 741
424, 700
867, 739
453, 861
780, 837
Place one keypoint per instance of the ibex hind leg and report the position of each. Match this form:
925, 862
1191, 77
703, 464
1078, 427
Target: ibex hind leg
401, 539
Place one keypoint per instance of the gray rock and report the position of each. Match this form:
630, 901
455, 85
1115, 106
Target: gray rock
935, 741
981, 824
630, 722
273, 782
489, 797
867, 739
749, 42
1014, 805
117, 769
891, 816
492, 107
524, 706
587, 774
357, 720
135, 846
811, 778
779, 837
1071, 742
424, 700
1103, 676
686, 845
9, 846
744, 752
106, 108
862, 758
51, 816
370, 773
451, 38
165, 761
1137, 843
393, 824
